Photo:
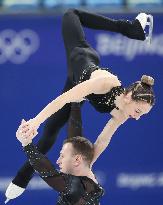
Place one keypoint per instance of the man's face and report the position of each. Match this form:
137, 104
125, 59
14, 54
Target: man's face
66, 159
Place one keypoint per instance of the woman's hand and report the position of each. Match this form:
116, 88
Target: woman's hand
24, 134
32, 123
28, 127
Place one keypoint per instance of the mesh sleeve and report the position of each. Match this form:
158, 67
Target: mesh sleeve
45, 169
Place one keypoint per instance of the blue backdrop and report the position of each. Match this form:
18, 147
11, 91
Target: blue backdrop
33, 72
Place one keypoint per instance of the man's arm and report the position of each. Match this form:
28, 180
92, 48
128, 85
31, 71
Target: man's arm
45, 168
40, 163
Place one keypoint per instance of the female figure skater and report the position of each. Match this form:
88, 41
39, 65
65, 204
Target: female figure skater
90, 82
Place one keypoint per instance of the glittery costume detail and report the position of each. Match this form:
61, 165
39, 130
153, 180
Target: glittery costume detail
101, 102
72, 190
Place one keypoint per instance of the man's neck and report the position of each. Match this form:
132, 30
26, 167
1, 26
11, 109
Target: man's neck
82, 171
85, 171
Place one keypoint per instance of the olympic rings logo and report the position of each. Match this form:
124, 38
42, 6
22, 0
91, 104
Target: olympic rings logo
17, 47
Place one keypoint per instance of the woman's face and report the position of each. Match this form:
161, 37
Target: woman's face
135, 109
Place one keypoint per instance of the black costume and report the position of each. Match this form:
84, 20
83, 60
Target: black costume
73, 190
82, 60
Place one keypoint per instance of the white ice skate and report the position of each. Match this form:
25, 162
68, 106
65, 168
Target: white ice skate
13, 191
146, 20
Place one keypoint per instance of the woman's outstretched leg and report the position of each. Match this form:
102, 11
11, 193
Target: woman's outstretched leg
74, 38
74, 19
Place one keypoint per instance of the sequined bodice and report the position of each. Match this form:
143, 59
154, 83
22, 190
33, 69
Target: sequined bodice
103, 103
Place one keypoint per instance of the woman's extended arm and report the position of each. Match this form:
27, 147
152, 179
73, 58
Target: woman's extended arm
105, 136
76, 94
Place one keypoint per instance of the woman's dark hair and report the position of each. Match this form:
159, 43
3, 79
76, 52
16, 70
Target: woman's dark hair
82, 146
142, 90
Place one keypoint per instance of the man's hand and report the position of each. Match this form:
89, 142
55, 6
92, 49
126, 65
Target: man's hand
24, 134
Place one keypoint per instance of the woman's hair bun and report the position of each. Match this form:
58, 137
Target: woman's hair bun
148, 80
